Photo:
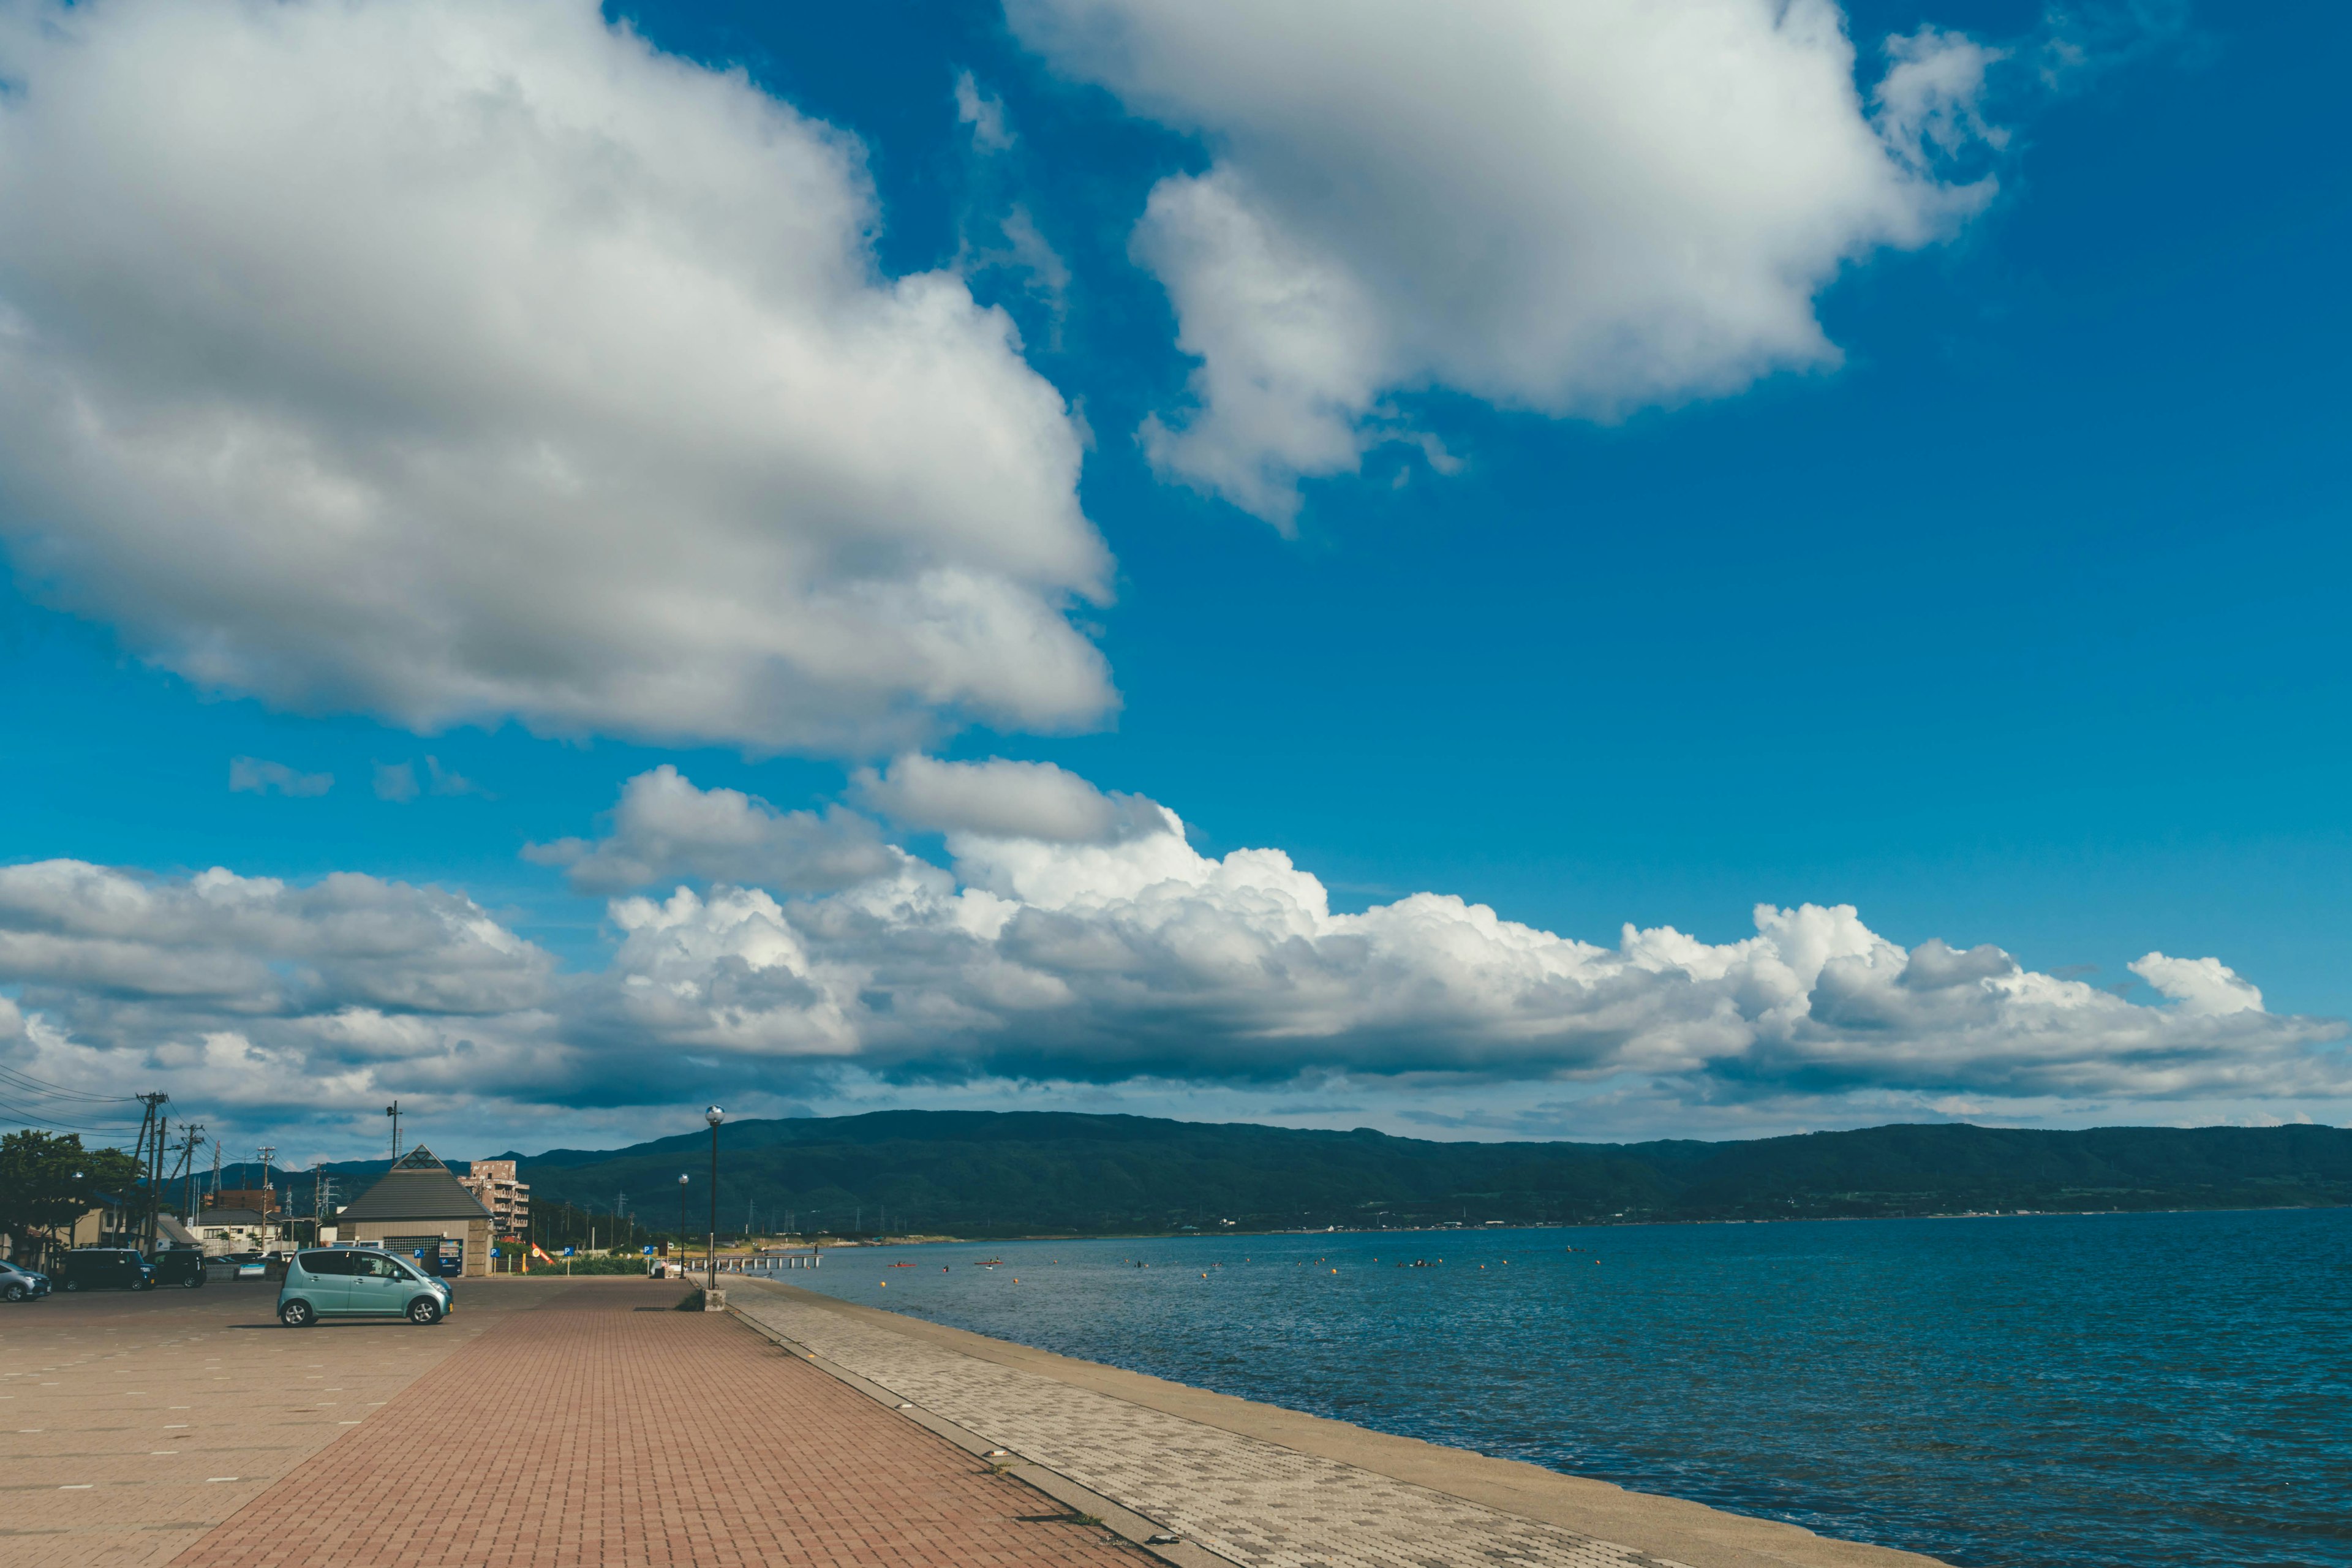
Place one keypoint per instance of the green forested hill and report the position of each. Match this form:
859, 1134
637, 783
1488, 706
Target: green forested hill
986, 1173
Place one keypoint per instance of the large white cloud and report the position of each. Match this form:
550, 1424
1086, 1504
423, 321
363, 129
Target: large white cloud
1122, 957
1002, 799
458, 361
665, 828
247, 997
1575, 206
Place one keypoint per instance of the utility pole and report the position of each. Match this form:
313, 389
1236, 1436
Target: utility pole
192, 1140
148, 1155
155, 1180
216, 1192
392, 1110
185, 1170
323, 1197
268, 1152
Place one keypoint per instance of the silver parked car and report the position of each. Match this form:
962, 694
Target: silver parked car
18, 1284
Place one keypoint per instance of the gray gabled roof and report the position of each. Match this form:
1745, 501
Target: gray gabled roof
417, 1187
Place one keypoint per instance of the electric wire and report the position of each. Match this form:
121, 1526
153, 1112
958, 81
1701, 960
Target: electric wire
27, 1083
34, 1118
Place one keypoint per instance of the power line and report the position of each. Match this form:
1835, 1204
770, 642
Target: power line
43, 1087
49, 1123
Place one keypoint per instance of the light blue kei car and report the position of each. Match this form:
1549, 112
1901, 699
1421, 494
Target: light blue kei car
359, 1282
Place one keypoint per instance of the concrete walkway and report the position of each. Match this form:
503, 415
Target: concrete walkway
1265, 1488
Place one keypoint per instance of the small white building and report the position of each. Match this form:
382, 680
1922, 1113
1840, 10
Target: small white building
220, 1231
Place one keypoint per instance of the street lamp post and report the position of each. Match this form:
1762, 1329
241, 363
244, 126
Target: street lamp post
714, 1115
681, 1224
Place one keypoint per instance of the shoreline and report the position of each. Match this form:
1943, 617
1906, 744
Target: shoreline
1550, 1224
1664, 1530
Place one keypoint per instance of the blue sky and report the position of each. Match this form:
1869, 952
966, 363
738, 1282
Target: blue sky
2010, 622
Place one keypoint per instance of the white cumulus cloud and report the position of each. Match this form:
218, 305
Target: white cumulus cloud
454, 362
998, 799
2200, 985
665, 829
1576, 206
1118, 958
255, 775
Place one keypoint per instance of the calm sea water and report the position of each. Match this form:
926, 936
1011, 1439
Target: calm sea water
2041, 1392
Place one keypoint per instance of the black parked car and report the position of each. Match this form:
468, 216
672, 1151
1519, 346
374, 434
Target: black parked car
99, 1267
180, 1265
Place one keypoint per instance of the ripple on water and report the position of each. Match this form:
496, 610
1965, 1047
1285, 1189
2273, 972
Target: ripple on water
2030, 1392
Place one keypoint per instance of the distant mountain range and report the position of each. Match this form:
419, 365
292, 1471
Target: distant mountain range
984, 1173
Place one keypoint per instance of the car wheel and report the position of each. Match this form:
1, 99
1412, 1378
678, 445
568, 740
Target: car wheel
191, 1281
424, 1311
296, 1315
73, 1284
14, 1292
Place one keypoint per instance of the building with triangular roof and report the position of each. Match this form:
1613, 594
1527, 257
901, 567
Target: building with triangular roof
418, 1208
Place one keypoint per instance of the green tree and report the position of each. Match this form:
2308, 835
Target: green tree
47, 1180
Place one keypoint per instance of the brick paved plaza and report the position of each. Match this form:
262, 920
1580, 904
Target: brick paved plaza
545, 1424
131, 1424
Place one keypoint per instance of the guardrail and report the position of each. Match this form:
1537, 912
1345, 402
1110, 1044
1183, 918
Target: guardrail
766, 1263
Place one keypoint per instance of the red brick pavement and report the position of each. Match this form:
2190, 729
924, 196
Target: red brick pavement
597, 1431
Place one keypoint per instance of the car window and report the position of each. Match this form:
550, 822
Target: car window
383, 1267
325, 1262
